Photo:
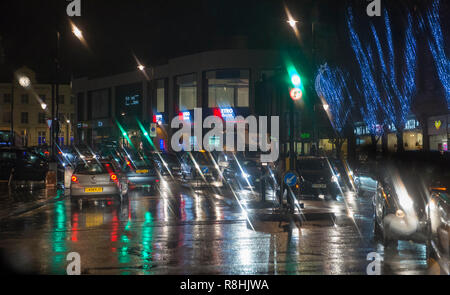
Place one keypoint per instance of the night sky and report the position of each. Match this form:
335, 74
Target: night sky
152, 30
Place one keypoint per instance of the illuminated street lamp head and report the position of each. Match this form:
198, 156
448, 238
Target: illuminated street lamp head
292, 23
68, 121
77, 32
326, 107
43, 106
24, 81
141, 68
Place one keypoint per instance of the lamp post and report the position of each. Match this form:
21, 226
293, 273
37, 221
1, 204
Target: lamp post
325, 107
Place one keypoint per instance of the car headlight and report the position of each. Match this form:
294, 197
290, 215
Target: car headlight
245, 175
399, 213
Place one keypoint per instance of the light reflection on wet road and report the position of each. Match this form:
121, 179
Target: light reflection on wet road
183, 231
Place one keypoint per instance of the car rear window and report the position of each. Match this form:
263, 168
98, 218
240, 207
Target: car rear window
93, 168
311, 164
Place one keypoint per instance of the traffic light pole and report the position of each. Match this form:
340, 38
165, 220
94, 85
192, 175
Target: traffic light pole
291, 136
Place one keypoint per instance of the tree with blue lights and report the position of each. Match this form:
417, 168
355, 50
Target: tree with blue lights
331, 88
387, 94
431, 24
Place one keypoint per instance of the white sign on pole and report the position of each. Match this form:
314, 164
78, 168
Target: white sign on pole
153, 130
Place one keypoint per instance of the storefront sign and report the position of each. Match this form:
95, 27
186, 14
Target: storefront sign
158, 119
437, 125
227, 113
185, 116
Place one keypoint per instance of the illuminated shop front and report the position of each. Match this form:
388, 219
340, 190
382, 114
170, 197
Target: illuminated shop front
438, 130
412, 136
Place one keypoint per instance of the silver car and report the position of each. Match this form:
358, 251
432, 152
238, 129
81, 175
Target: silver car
94, 178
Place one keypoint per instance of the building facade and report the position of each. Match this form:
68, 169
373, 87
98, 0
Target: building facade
125, 107
30, 103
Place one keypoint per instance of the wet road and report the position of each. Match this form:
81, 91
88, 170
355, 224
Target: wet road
195, 231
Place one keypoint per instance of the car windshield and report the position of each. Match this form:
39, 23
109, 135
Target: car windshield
248, 163
140, 164
202, 158
92, 168
170, 158
313, 164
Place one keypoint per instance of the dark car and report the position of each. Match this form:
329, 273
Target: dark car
402, 209
244, 173
317, 178
93, 179
23, 164
142, 173
439, 208
168, 163
200, 167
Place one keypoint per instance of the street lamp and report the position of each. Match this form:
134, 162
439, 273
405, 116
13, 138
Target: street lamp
141, 68
326, 107
24, 81
43, 105
77, 32
292, 23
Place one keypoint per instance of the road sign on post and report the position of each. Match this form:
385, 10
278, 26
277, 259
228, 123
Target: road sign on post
153, 130
290, 178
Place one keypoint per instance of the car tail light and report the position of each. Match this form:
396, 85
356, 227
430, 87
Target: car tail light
74, 178
157, 180
113, 177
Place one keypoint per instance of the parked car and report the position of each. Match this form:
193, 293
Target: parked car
24, 164
402, 196
317, 178
96, 178
439, 208
167, 162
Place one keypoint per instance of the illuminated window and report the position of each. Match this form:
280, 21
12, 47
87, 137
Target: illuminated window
228, 88
160, 96
187, 91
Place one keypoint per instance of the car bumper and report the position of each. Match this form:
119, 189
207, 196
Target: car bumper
79, 190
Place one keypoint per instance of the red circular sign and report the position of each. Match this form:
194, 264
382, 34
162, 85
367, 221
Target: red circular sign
296, 93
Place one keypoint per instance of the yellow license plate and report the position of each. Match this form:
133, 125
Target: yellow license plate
142, 171
93, 190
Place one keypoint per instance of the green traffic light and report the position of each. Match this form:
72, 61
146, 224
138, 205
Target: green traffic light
296, 80
124, 134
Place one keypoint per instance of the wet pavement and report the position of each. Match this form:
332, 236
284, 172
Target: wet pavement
185, 230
